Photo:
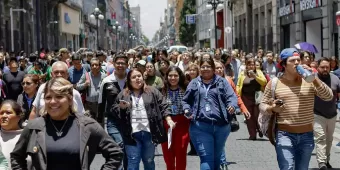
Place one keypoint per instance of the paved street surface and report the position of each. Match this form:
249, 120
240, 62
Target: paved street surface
244, 154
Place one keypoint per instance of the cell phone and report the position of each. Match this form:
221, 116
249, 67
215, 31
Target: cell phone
187, 114
123, 101
279, 102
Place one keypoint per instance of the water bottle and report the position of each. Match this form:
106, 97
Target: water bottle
306, 74
3, 161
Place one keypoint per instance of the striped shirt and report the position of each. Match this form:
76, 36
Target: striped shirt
298, 113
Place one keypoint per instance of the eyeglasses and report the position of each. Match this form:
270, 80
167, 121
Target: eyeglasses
26, 83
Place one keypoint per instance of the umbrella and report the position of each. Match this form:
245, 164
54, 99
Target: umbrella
306, 47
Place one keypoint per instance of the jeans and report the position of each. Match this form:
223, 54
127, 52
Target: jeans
294, 150
144, 150
114, 133
209, 141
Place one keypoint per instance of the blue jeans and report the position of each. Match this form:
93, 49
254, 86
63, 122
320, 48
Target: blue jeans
209, 141
294, 150
113, 131
144, 150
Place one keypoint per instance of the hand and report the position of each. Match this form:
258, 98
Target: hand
231, 109
171, 123
277, 108
124, 104
247, 115
87, 84
307, 67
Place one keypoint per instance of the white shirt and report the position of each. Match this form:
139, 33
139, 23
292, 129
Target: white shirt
139, 118
40, 98
8, 139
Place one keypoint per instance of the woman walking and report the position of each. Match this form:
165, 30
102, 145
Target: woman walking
209, 127
141, 110
175, 155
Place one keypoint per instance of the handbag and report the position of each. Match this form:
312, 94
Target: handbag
258, 97
235, 126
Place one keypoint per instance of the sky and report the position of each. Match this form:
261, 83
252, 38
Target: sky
151, 13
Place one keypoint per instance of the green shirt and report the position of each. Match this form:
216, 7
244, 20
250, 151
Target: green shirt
155, 82
33, 71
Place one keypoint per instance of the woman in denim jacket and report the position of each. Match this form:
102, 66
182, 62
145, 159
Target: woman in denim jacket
208, 102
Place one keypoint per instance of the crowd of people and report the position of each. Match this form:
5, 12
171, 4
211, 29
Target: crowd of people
55, 106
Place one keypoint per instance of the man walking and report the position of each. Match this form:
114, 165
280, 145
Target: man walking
325, 115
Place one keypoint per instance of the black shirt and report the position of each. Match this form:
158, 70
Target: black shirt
13, 81
63, 152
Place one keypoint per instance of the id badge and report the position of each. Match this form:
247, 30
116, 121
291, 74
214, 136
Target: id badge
138, 114
207, 107
174, 109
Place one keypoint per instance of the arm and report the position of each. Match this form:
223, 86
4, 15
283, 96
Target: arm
188, 98
110, 150
163, 105
81, 84
265, 105
239, 100
230, 98
322, 90
260, 78
19, 154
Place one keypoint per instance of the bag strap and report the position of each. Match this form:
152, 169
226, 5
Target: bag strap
273, 86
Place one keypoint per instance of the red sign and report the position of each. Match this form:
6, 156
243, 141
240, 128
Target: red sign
338, 20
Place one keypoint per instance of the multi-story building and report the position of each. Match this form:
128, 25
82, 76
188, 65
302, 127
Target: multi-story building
277, 24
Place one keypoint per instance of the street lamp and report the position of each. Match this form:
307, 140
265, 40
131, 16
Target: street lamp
11, 10
116, 27
214, 4
97, 14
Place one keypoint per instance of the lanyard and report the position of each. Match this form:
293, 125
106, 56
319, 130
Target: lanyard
137, 98
172, 96
207, 88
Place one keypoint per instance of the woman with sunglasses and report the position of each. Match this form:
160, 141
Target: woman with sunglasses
30, 85
174, 89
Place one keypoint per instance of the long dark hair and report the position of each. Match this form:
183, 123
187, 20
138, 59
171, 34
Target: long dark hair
181, 83
129, 87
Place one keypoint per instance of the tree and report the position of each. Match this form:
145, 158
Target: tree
187, 31
145, 39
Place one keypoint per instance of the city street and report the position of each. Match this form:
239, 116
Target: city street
244, 154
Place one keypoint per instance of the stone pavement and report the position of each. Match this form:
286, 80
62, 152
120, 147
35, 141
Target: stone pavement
244, 154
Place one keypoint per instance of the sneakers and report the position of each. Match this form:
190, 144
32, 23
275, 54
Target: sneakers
329, 165
322, 166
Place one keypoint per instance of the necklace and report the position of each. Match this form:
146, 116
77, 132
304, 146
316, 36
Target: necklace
59, 132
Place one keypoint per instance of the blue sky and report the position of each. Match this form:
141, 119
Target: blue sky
151, 12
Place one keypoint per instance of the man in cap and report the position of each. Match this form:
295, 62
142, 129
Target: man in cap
293, 105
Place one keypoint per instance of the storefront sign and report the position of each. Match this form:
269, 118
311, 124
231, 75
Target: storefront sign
309, 4
286, 10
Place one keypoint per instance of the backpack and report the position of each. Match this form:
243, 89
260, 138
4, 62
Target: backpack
267, 122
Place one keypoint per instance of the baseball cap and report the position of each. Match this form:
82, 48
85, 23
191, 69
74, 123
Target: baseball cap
142, 62
289, 52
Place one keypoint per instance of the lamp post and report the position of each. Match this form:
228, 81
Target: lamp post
116, 27
214, 4
97, 14
11, 10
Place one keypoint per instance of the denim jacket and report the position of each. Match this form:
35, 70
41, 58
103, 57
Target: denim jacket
226, 98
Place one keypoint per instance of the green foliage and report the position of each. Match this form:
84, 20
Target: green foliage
187, 34
145, 39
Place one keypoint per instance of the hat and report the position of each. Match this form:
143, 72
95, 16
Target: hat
141, 62
289, 52
131, 51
